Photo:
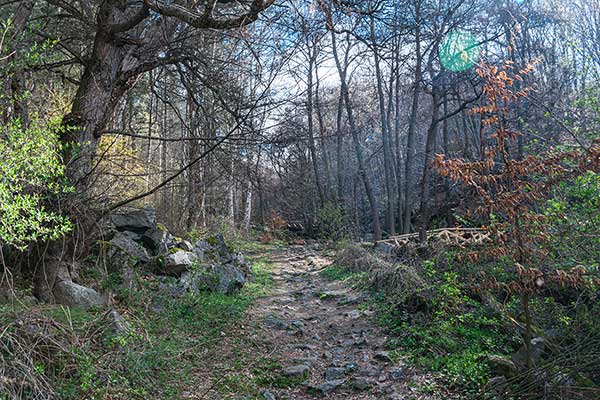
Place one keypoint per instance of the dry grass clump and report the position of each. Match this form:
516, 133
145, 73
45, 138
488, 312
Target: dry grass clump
385, 275
355, 258
42, 348
31, 349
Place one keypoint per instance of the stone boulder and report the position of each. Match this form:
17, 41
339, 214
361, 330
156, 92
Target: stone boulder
118, 324
74, 295
500, 365
134, 219
239, 262
159, 240
229, 278
185, 245
222, 250
225, 279
178, 262
202, 249
125, 250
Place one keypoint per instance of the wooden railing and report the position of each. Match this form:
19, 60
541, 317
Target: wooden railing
459, 237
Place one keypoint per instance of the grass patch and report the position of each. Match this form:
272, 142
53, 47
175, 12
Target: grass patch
255, 375
262, 282
431, 320
157, 359
336, 272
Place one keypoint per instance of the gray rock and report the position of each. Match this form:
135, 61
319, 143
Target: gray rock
501, 366
561, 380
350, 367
177, 263
354, 314
29, 300
297, 371
186, 245
125, 251
170, 285
129, 280
238, 261
305, 346
273, 322
268, 395
223, 251
351, 300
360, 383
331, 294
157, 307
383, 356
225, 278
396, 373
74, 295
118, 324
333, 373
201, 247
310, 361
326, 387
159, 240
368, 370
137, 220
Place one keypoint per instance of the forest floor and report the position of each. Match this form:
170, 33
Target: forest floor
308, 337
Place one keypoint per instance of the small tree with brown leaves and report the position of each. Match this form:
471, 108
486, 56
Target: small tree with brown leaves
510, 190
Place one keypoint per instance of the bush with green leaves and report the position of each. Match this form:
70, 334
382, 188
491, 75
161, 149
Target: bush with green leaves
331, 222
574, 214
32, 179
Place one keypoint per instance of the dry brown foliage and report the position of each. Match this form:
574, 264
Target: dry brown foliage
511, 186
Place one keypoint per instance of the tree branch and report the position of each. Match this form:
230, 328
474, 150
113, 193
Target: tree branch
205, 20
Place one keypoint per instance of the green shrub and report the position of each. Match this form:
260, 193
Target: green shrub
32, 177
331, 222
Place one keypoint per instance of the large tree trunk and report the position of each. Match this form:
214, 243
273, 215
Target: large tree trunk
387, 146
14, 87
427, 169
412, 125
339, 133
99, 91
357, 146
338, 149
248, 209
309, 108
322, 136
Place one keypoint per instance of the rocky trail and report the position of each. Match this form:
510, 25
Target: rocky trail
322, 337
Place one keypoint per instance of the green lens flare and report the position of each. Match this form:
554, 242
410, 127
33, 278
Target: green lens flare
459, 51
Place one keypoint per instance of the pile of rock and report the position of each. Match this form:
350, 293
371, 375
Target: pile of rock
134, 242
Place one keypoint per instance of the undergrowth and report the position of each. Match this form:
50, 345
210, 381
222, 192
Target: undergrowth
157, 358
441, 322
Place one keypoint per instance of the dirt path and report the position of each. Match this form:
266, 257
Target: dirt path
322, 337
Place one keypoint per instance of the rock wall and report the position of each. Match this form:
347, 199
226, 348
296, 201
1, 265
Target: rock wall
135, 242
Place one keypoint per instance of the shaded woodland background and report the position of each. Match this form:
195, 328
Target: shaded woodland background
282, 121
265, 108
